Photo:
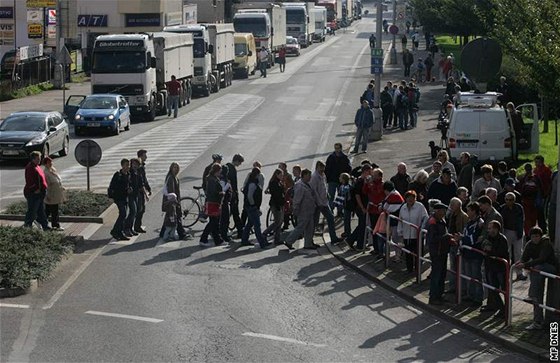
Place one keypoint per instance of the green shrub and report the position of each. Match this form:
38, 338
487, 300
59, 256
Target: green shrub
80, 203
27, 254
25, 91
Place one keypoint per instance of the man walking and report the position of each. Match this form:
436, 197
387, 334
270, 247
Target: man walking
263, 61
145, 192
174, 90
119, 189
304, 204
364, 121
135, 180
319, 185
234, 203
34, 191
282, 58
408, 61
337, 163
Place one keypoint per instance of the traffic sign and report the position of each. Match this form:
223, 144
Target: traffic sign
376, 70
376, 61
393, 29
377, 52
88, 153
401, 16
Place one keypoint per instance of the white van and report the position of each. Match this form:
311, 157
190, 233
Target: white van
478, 125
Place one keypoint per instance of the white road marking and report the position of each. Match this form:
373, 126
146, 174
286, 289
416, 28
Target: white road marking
72, 278
282, 339
17, 306
124, 316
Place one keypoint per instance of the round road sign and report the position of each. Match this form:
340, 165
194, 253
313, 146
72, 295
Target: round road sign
393, 29
88, 153
401, 16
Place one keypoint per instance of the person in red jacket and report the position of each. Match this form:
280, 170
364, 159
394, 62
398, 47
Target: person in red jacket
544, 174
34, 191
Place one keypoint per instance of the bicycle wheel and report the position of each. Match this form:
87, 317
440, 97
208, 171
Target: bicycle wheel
190, 211
269, 218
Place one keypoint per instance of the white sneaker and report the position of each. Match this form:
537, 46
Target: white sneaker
205, 244
534, 326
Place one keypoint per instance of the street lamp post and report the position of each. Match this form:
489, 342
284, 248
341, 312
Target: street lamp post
394, 45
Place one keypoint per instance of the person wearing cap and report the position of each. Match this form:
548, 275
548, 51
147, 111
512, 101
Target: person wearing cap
486, 181
55, 193
34, 191
514, 219
509, 187
438, 241
216, 159
443, 188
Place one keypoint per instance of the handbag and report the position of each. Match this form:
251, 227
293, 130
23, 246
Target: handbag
212, 209
381, 225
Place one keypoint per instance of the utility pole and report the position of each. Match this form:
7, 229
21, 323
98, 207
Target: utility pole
393, 59
378, 35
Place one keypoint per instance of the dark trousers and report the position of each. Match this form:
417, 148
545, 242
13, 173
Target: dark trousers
358, 232
411, 245
132, 208
387, 115
498, 280
118, 227
224, 221
52, 211
437, 278
140, 210
234, 212
36, 210
541, 216
213, 229
407, 70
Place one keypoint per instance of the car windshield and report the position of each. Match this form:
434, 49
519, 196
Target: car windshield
240, 49
291, 41
99, 103
23, 123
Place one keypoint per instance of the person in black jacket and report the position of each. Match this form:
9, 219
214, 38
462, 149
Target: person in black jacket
214, 194
216, 158
136, 185
253, 198
236, 162
337, 163
276, 203
438, 241
145, 192
119, 189
495, 245
443, 188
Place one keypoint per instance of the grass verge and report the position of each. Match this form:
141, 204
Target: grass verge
27, 254
546, 148
25, 91
80, 203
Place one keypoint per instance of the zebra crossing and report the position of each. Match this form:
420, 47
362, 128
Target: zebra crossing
181, 140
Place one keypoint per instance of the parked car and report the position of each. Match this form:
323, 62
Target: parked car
292, 46
24, 132
108, 112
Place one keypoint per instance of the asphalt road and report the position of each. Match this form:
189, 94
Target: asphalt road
147, 301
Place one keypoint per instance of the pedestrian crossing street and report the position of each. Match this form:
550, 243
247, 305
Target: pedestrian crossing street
181, 140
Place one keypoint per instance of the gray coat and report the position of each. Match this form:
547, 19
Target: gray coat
304, 201
318, 183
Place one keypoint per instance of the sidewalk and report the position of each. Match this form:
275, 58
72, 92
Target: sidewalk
51, 100
414, 151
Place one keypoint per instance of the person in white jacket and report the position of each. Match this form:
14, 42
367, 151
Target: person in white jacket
415, 213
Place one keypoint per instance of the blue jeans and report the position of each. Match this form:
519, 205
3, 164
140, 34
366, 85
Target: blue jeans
472, 267
253, 221
132, 208
328, 214
118, 227
437, 279
173, 104
262, 68
36, 210
403, 118
332, 186
362, 136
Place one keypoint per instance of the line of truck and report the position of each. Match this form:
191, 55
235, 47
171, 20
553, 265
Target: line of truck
203, 57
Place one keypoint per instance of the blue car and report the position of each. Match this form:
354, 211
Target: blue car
105, 112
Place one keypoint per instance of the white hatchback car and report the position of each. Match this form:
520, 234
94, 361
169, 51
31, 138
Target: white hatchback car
478, 125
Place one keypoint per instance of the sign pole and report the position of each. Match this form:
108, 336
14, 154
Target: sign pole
87, 168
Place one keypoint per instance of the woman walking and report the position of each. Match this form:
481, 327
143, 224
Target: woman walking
171, 185
277, 198
214, 195
55, 193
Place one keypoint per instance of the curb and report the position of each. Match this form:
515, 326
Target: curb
65, 219
516, 346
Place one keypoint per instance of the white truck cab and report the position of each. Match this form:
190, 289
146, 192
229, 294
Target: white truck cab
478, 125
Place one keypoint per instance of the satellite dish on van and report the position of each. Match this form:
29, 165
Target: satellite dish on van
481, 59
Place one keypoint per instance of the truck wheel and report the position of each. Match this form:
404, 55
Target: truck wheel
152, 114
117, 129
189, 92
162, 102
217, 82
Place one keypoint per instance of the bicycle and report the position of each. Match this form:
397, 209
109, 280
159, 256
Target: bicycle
287, 212
191, 210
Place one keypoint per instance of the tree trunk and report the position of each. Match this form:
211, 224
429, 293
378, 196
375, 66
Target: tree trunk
465, 40
545, 114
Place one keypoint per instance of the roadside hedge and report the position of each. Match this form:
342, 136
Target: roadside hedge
80, 203
27, 254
